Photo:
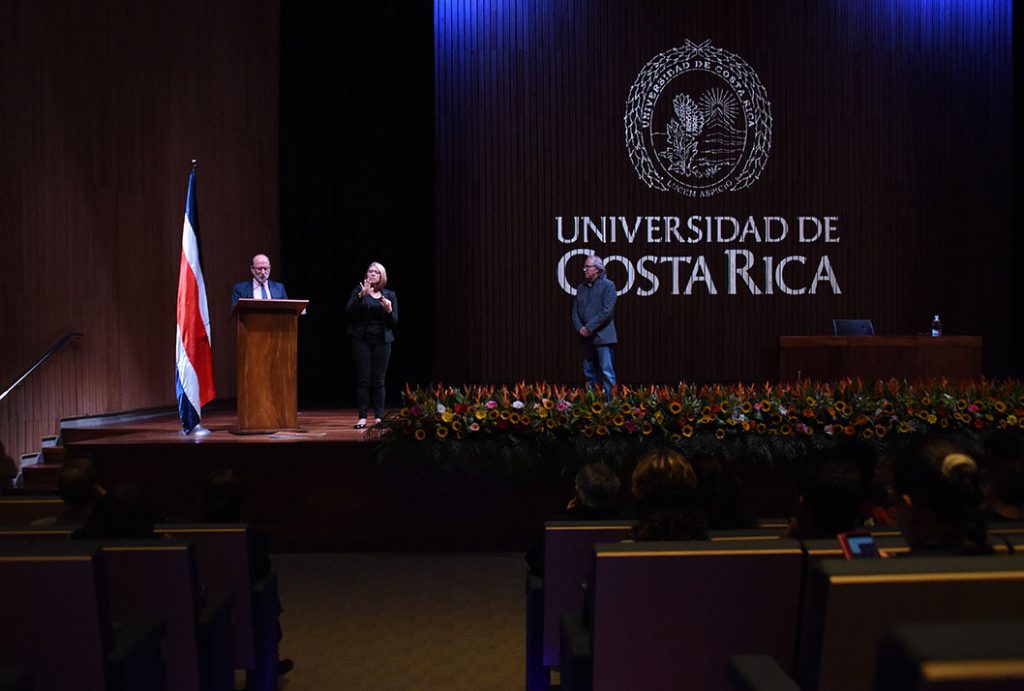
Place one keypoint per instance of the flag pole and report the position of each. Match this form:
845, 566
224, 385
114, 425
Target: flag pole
193, 378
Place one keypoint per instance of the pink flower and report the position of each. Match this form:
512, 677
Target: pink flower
416, 410
490, 405
562, 406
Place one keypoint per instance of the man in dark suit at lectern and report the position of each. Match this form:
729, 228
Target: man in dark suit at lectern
260, 287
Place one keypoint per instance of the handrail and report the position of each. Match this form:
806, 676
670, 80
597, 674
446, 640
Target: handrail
61, 342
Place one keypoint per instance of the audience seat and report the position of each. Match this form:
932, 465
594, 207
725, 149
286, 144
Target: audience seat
850, 604
159, 578
56, 622
678, 610
979, 655
24, 510
225, 558
1006, 528
568, 551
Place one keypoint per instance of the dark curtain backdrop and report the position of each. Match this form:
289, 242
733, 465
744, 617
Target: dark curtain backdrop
895, 117
357, 180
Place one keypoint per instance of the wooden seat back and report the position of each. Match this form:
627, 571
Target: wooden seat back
54, 617
568, 553
159, 577
223, 558
850, 604
23, 510
678, 610
986, 655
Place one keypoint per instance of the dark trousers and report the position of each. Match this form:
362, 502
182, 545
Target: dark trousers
371, 365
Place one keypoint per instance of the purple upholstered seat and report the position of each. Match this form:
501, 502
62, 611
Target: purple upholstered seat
672, 613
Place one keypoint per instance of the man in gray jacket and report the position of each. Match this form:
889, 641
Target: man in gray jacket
593, 317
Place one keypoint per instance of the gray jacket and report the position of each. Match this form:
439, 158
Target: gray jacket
594, 308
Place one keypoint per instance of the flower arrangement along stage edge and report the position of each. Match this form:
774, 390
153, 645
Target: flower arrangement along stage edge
526, 423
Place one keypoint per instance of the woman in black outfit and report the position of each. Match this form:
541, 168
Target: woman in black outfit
372, 312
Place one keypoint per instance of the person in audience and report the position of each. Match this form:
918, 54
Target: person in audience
880, 507
123, 513
941, 507
596, 497
664, 487
221, 500
720, 493
831, 496
79, 491
596, 494
1002, 476
8, 467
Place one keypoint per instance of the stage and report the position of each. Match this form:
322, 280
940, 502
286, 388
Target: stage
321, 489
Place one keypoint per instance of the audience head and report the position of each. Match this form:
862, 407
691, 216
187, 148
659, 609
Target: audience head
76, 483
221, 498
832, 492
121, 513
597, 486
720, 494
664, 489
940, 498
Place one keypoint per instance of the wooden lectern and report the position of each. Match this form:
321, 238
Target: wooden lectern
268, 337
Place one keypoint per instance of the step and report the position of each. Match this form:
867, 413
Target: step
40, 478
54, 455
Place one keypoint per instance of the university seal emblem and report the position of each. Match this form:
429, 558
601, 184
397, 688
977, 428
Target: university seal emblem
698, 122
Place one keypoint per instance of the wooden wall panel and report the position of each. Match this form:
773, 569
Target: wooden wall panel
104, 105
896, 117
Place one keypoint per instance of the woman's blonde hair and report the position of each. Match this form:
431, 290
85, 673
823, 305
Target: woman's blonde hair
383, 273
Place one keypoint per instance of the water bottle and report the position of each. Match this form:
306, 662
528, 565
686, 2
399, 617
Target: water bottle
936, 326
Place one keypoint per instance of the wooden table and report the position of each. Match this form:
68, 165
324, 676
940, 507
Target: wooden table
827, 358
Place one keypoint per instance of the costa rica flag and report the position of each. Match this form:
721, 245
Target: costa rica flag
193, 376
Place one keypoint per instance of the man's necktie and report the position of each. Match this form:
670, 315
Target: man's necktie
264, 289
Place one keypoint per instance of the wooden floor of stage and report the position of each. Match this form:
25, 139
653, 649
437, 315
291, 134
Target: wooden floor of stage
337, 425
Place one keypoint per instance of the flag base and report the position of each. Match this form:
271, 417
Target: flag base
197, 431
